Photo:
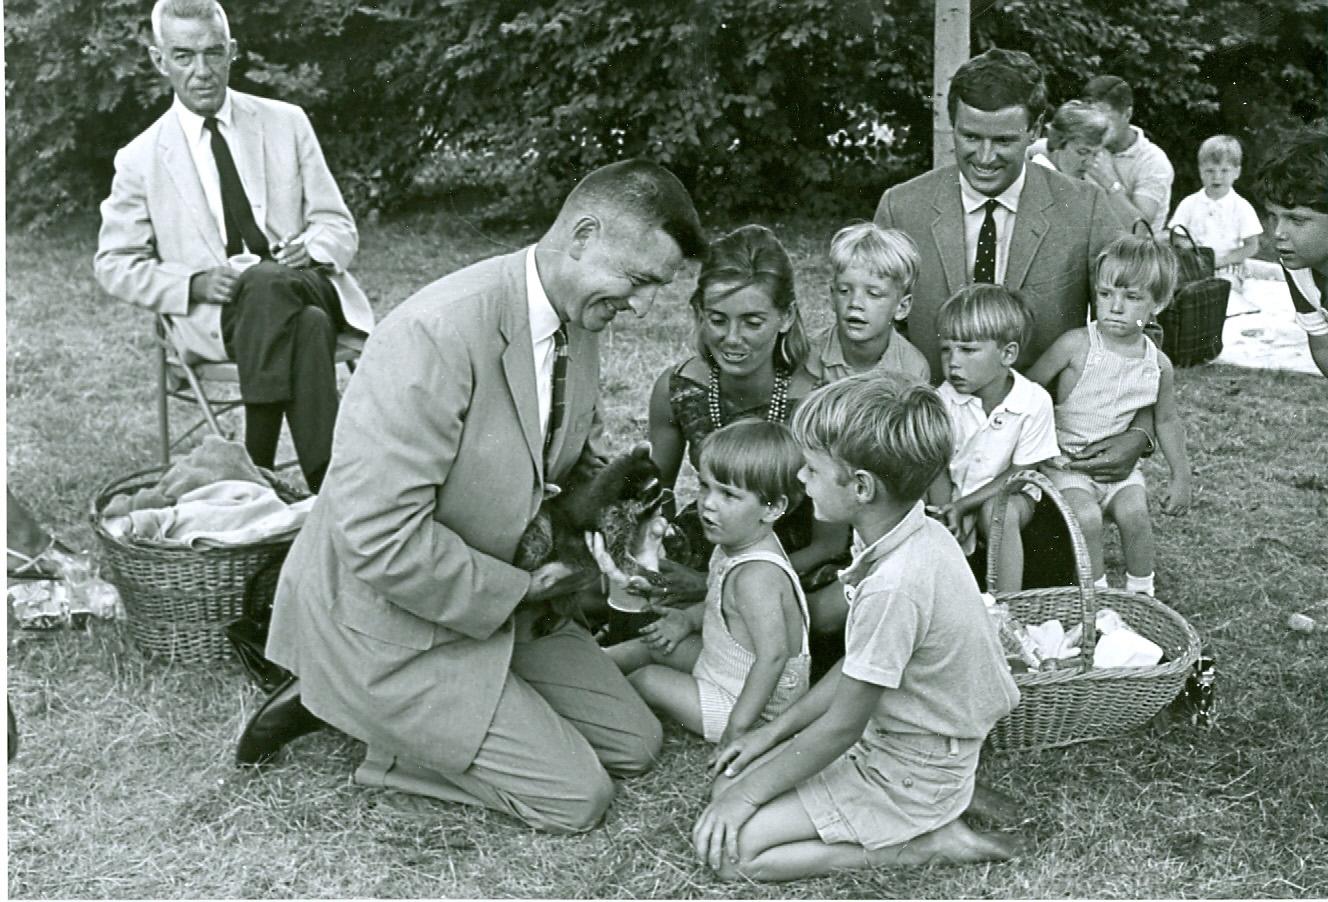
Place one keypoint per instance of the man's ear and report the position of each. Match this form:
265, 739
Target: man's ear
905, 305
584, 230
158, 61
235, 50
1009, 353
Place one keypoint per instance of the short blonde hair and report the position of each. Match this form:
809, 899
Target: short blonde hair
1220, 149
1138, 263
880, 422
984, 312
1077, 119
886, 253
760, 457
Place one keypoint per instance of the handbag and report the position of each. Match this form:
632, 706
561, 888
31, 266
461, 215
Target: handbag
1192, 324
1195, 261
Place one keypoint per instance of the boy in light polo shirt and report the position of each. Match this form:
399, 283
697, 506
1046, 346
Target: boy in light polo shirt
1002, 422
871, 290
875, 765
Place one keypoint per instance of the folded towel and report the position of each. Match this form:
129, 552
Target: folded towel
226, 513
215, 460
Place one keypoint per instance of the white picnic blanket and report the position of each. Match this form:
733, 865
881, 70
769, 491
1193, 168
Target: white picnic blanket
227, 512
1261, 331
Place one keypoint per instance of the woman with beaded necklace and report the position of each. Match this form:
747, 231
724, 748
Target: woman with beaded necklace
751, 345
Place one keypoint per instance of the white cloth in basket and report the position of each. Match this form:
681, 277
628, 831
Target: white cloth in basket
224, 513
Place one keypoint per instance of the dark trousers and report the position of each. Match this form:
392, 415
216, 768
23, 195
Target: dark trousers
281, 331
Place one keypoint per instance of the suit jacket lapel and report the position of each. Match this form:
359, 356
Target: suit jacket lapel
1030, 225
247, 147
519, 357
947, 230
175, 158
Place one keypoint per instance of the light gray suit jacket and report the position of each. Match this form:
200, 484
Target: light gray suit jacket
1061, 226
395, 605
157, 229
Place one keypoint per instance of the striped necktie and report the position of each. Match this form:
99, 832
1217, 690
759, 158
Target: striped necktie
558, 404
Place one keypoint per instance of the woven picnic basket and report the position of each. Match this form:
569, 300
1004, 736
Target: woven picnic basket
1079, 702
179, 600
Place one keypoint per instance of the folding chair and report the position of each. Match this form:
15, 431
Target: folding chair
187, 381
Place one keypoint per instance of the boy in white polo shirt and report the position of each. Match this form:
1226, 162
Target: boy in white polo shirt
1002, 422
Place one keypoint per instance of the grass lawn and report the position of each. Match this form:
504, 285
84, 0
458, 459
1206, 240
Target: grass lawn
124, 785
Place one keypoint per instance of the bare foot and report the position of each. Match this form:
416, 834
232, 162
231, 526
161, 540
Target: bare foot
956, 843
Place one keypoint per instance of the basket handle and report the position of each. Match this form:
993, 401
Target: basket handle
1083, 566
1181, 230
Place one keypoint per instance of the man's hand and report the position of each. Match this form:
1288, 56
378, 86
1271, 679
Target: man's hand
552, 580
292, 252
1111, 459
214, 286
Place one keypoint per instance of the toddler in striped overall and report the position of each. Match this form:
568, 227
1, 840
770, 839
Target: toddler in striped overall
1103, 374
739, 658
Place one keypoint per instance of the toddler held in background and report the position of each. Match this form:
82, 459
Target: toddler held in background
870, 290
874, 766
751, 660
1103, 374
1217, 216
1002, 422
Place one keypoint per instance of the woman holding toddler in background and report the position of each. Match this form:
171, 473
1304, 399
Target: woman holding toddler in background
1074, 136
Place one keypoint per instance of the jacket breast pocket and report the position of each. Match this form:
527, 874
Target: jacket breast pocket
359, 608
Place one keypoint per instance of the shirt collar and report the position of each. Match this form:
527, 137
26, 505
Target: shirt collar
865, 557
832, 354
192, 123
544, 319
1014, 402
1009, 198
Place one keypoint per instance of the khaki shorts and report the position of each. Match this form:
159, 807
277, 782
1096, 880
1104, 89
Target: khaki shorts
1102, 492
891, 787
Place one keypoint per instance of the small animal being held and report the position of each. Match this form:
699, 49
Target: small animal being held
621, 501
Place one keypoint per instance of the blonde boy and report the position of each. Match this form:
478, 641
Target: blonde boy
1002, 422
871, 290
1102, 375
873, 767
1217, 216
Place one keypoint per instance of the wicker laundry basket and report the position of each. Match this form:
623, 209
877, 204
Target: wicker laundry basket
1076, 704
179, 600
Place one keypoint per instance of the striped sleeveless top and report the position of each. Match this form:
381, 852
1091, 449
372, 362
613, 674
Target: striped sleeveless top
1111, 389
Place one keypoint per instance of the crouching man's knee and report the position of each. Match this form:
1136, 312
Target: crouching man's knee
580, 807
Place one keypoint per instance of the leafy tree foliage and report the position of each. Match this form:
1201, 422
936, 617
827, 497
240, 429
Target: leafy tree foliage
758, 104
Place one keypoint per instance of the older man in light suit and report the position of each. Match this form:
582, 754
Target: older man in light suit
221, 173
399, 609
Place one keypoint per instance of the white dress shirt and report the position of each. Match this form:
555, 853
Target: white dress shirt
1007, 207
200, 148
544, 322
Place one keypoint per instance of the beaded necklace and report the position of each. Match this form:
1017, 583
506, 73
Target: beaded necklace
774, 411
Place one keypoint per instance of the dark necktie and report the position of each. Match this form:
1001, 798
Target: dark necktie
984, 264
558, 402
235, 209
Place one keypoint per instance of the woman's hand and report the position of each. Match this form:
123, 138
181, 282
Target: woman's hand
715, 836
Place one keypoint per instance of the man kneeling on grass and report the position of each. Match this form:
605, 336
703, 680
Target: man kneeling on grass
875, 765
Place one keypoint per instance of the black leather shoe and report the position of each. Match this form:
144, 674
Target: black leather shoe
280, 719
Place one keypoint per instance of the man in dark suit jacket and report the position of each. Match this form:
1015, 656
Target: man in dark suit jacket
399, 608
1048, 228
